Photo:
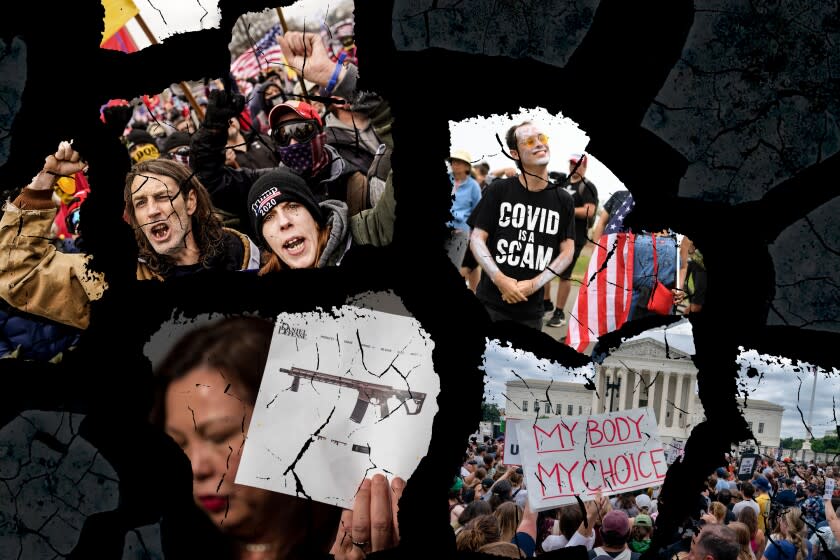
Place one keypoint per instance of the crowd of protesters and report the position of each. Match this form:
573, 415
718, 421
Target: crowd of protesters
292, 180
225, 195
777, 512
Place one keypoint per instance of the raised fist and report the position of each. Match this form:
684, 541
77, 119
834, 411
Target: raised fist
221, 107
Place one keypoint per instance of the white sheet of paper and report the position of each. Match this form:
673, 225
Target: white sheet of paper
568, 456
362, 376
829, 488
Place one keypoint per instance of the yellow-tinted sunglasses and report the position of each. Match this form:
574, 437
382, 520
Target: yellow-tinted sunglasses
531, 141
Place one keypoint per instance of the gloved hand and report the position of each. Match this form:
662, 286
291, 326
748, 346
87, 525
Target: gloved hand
378, 174
221, 107
116, 118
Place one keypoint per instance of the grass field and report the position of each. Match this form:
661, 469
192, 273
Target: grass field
581, 265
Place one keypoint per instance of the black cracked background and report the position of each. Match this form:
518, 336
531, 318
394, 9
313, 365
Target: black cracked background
720, 116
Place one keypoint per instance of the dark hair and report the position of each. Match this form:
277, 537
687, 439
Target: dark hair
724, 497
510, 136
238, 346
748, 517
206, 228
748, 490
570, 519
720, 542
473, 510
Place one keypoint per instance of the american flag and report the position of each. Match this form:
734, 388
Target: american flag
266, 52
604, 298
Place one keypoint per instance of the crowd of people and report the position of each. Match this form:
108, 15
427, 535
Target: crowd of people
528, 225
291, 179
777, 512
231, 195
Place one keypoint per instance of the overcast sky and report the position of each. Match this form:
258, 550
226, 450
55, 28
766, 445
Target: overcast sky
777, 382
478, 136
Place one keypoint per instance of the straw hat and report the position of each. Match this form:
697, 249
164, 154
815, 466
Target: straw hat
461, 155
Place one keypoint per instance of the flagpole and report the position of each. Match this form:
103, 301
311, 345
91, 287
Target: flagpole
282, 20
187, 91
286, 30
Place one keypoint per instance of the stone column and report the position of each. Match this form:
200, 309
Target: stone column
678, 400
638, 381
690, 406
663, 400
624, 376
595, 393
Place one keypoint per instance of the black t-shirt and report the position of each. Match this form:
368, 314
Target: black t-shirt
583, 192
525, 230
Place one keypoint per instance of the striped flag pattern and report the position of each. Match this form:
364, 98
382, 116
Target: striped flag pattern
266, 52
604, 299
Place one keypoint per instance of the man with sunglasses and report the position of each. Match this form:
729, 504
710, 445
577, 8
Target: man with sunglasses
523, 232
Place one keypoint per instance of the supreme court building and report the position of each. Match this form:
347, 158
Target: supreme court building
644, 372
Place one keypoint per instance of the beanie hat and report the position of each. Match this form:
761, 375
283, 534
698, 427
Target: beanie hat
279, 185
176, 140
139, 136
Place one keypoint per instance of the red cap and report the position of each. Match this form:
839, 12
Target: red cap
301, 108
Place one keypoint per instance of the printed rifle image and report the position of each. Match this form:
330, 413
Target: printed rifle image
369, 393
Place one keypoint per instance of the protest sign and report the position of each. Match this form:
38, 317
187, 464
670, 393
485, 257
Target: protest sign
829, 489
746, 466
568, 456
344, 396
512, 455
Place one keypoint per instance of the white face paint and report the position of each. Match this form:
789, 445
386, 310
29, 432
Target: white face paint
532, 146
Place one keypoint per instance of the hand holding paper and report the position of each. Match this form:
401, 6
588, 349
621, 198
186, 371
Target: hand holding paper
372, 523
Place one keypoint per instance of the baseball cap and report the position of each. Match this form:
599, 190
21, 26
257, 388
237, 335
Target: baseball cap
616, 521
643, 501
721, 472
643, 520
300, 108
487, 482
761, 483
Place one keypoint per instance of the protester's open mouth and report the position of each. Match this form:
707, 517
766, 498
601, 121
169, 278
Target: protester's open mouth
159, 231
294, 245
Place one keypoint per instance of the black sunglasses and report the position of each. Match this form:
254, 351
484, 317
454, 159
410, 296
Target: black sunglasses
301, 131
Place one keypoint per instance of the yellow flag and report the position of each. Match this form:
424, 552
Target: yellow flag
117, 14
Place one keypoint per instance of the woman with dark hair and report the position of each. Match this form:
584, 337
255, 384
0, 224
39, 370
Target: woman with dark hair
473, 510
205, 390
301, 233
